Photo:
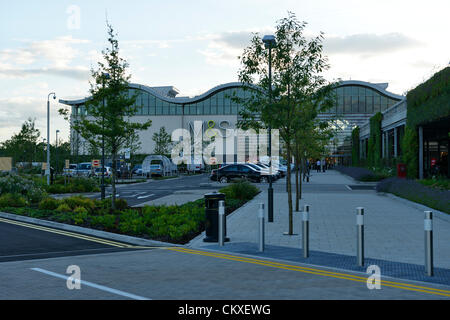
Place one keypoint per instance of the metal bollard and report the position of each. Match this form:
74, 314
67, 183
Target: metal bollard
221, 222
261, 235
305, 231
360, 236
428, 227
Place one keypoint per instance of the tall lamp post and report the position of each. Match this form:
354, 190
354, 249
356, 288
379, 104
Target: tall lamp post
105, 76
270, 42
56, 150
47, 171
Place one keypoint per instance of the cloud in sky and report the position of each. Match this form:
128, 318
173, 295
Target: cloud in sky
224, 48
47, 57
369, 43
78, 73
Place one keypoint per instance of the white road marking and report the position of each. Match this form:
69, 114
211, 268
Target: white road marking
147, 196
93, 285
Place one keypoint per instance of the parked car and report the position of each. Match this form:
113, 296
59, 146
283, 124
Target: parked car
108, 172
282, 169
276, 174
238, 171
71, 171
137, 170
84, 169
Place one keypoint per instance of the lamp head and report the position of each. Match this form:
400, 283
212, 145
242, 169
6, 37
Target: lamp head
269, 41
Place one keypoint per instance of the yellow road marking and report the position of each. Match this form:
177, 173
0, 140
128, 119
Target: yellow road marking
337, 275
69, 234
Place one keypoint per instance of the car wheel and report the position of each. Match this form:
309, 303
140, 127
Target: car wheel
223, 180
264, 180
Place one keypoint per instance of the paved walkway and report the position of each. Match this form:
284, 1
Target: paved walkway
394, 229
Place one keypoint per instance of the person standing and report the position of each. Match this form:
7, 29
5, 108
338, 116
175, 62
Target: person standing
318, 165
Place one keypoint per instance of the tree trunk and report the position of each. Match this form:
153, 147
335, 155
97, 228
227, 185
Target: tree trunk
302, 165
113, 182
297, 173
289, 185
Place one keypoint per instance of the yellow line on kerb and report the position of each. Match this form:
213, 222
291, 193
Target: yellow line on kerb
315, 271
67, 233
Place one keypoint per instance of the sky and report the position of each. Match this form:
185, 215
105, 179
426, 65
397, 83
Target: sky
50, 46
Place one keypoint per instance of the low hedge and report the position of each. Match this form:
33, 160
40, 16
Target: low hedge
363, 174
73, 185
417, 192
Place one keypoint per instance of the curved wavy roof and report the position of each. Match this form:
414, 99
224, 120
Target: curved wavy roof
175, 100
381, 88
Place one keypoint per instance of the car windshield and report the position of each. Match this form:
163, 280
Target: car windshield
254, 166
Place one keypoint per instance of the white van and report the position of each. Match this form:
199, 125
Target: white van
158, 165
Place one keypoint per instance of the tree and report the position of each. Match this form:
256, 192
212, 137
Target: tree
163, 142
110, 107
310, 141
297, 63
23, 145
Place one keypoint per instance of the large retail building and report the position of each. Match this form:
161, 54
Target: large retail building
356, 102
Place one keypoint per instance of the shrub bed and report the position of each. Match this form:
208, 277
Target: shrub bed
175, 224
74, 185
17, 185
237, 194
417, 192
439, 183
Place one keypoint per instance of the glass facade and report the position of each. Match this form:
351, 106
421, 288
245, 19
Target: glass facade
218, 103
360, 99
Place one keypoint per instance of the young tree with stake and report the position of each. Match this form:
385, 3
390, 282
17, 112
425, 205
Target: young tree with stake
110, 108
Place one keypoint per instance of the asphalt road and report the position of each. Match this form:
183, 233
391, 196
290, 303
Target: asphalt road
139, 193
136, 194
23, 241
35, 264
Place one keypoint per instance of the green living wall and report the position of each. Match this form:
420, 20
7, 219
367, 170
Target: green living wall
374, 153
428, 102
355, 147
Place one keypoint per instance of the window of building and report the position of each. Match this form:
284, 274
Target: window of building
376, 103
340, 104
347, 104
383, 103
159, 106
152, 105
200, 108
369, 104
213, 101
354, 104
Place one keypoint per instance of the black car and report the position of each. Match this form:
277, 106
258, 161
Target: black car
238, 171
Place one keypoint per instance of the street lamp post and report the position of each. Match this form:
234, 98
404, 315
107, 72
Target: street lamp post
105, 76
43, 148
56, 151
270, 42
47, 171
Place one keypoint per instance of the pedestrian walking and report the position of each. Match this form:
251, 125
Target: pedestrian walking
318, 165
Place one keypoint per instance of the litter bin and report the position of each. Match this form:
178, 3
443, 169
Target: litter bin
212, 217
401, 170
